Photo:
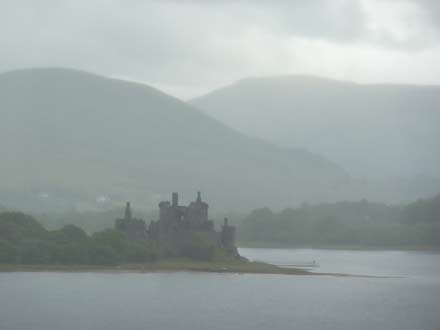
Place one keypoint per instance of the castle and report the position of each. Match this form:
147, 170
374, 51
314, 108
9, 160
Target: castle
177, 225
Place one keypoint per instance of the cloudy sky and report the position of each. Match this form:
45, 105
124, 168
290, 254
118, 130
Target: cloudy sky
189, 47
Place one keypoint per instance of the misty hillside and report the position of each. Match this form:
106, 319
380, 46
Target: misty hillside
70, 135
355, 224
373, 131
423, 211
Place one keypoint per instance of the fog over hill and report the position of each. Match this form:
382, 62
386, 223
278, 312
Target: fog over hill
385, 134
68, 137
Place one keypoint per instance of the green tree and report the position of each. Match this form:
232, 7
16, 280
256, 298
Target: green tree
8, 252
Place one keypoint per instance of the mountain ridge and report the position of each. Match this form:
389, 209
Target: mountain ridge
316, 78
70, 133
290, 110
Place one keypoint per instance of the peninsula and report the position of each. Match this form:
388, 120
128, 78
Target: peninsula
182, 239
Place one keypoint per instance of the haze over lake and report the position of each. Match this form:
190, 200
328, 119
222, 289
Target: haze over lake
182, 300
220, 165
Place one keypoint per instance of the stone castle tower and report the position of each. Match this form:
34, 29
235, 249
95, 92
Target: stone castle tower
176, 223
135, 229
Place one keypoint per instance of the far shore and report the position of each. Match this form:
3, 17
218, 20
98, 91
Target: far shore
171, 266
269, 245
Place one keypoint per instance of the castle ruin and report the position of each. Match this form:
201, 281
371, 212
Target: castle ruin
177, 225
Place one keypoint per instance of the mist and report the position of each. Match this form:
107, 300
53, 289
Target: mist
219, 164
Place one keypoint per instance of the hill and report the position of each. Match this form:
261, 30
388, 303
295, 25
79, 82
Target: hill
69, 138
423, 211
374, 131
355, 224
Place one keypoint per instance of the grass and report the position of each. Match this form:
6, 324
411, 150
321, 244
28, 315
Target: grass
177, 265
170, 265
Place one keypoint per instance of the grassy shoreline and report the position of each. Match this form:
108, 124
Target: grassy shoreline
172, 266
237, 267
162, 266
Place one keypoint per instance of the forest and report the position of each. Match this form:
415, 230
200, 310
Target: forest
359, 224
23, 240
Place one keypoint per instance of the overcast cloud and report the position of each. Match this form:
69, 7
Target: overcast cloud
188, 47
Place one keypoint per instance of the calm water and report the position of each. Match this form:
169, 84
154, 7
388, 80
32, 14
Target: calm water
55, 301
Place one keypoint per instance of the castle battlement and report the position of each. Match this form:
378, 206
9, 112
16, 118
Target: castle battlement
178, 223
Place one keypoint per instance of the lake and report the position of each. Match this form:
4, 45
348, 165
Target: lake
408, 299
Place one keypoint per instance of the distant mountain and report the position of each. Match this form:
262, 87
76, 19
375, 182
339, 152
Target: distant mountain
373, 131
69, 138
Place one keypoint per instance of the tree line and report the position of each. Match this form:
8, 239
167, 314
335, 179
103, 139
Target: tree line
352, 224
23, 240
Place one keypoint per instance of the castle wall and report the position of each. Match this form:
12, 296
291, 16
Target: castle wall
196, 215
177, 224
